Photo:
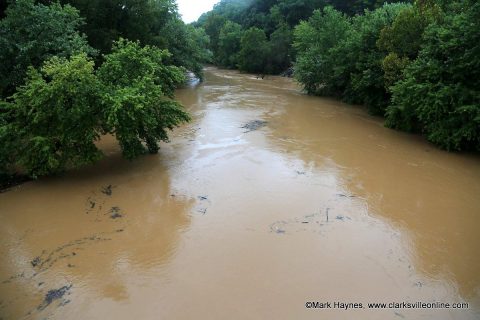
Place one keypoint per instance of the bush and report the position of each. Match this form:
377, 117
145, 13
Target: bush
339, 56
229, 44
254, 50
440, 91
137, 96
52, 122
32, 33
367, 83
315, 41
280, 49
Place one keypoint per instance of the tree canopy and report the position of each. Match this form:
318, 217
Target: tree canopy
417, 65
439, 93
414, 62
70, 75
276, 18
32, 33
74, 70
137, 95
52, 122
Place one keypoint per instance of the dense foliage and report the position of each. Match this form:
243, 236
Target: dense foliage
414, 62
418, 65
150, 22
69, 74
137, 94
229, 44
253, 53
440, 91
54, 119
31, 34
318, 67
66, 80
276, 18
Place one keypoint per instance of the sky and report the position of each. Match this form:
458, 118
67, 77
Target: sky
191, 10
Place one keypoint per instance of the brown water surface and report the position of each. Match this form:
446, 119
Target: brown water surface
268, 199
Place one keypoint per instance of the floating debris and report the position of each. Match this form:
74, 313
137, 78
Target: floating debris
202, 210
14, 277
275, 227
280, 231
315, 222
94, 203
53, 295
115, 213
48, 259
64, 302
35, 262
343, 195
253, 125
107, 190
342, 218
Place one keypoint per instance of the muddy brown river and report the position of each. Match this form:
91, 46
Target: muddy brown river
267, 202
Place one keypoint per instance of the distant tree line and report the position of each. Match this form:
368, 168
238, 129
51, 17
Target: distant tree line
257, 35
74, 70
417, 64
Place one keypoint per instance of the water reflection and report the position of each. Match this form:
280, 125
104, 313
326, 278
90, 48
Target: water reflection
430, 194
95, 229
318, 203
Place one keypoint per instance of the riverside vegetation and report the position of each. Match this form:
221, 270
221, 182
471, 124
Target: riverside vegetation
73, 71
415, 63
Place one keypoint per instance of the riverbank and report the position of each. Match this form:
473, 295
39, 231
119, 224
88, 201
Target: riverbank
268, 199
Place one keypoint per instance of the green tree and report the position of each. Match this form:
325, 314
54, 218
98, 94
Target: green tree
364, 65
213, 24
155, 23
339, 56
32, 33
229, 44
142, 20
280, 49
188, 46
275, 18
198, 53
52, 121
295, 11
440, 94
137, 96
7, 143
315, 41
230, 9
254, 51
403, 39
